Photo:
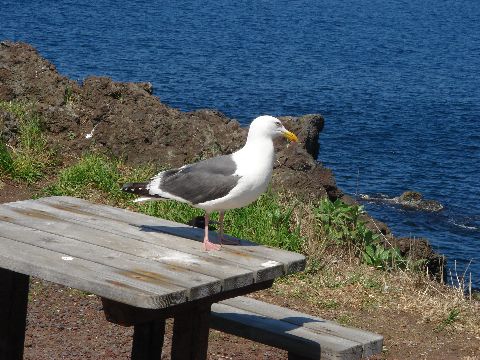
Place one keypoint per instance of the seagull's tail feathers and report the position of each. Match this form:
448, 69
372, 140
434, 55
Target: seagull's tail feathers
140, 188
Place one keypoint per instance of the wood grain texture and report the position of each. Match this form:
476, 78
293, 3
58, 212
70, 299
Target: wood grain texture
371, 343
291, 261
128, 315
128, 257
13, 313
85, 275
84, 243
120, 238
293, 338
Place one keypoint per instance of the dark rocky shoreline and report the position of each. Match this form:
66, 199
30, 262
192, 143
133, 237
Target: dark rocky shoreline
126, 120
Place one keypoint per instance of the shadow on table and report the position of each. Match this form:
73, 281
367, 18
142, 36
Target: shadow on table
192, 233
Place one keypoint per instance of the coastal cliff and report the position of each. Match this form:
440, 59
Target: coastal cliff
127, 121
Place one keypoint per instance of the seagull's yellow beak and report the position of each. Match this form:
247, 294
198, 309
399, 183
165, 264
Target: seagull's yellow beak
290, 136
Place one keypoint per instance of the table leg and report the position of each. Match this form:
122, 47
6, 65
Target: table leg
148, 340
13, 313
190, 334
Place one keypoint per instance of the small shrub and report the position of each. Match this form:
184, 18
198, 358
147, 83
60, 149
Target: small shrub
341, 224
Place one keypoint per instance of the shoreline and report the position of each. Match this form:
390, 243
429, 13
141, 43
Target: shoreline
126, 120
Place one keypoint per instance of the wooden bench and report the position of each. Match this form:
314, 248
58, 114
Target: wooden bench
303, 336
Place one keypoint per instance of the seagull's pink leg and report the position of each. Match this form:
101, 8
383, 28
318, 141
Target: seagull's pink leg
207, 245
221, 215
220, 232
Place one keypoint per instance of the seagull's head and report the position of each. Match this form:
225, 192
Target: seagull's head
271, 127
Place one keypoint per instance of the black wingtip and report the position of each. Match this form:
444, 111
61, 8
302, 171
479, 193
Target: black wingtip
136, 188
127, 186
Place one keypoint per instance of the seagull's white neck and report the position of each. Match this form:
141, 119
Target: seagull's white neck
257, 154
256, 142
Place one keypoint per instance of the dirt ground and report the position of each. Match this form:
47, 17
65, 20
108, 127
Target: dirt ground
64, 323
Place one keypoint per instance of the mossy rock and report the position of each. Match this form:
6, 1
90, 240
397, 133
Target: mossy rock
411, 196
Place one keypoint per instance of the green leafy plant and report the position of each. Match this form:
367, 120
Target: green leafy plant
450, 319
69, 96
267, 221
342, 224
6, 161
378, 256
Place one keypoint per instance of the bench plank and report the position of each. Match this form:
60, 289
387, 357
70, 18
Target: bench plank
283, 335
371, 343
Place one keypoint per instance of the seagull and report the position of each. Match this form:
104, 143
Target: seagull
220, 183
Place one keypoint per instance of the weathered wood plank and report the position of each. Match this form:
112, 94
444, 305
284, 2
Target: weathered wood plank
20, 227
13, 313
61, 222
371, 343
133, 226
127, 315
85, 275
283, 335
148, 340
291, 261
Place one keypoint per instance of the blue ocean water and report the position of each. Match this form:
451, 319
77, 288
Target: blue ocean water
398, 82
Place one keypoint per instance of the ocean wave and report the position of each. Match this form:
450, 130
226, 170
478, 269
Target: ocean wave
462, 225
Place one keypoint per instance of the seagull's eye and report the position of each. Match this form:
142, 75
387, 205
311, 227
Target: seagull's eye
278, 124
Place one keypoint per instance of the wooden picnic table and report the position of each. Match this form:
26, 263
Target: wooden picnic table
145, 269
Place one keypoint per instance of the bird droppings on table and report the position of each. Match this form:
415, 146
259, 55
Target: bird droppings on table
270, 263
67, 258
180, 257
221, 183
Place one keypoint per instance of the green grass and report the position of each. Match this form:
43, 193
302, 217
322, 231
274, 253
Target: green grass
449, 320
31, 157
96, 174
266, 221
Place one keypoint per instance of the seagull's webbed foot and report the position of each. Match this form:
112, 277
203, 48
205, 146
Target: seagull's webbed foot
209, 246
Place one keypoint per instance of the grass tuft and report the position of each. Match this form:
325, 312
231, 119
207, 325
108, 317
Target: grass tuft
31, 157
97, 176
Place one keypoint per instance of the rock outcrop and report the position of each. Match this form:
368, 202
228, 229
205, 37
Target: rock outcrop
126, 120
412, 200
129, 122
